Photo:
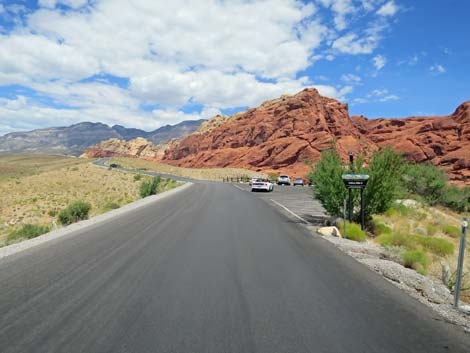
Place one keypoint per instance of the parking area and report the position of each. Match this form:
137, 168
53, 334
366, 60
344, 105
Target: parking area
296, 200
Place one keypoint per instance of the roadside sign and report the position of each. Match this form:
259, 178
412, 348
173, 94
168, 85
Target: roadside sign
355, 181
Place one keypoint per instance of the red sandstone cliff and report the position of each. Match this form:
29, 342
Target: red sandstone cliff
281, 134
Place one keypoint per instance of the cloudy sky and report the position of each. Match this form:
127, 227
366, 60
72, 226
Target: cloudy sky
148, 63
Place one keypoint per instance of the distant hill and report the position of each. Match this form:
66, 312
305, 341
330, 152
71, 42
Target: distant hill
75, 139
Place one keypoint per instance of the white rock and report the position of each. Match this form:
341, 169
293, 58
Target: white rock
329, 231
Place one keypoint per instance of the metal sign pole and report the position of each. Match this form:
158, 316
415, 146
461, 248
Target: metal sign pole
362, 208
344, 219
350, 205
458, 282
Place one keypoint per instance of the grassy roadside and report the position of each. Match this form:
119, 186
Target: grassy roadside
194, 173
35, 188
422, 237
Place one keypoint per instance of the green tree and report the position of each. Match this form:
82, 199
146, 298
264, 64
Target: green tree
384, 170
327, 183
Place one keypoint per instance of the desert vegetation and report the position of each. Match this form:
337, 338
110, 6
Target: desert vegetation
40, 193
217, 174
411, 209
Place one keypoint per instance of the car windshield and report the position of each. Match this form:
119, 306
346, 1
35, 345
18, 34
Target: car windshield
298, 179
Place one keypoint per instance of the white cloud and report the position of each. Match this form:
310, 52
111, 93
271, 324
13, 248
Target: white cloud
352, 44
437, 69
213, 54
379, 61
388, 9
350, 78
376, 95
341, 9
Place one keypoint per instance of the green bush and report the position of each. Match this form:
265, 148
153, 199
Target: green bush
425, 180
150, 187
27, 231
456, 198
451, 231
354, 232
437, 246
137, 177
431, 229
397, 239
416, 260
380, 228
74, 212
399, 209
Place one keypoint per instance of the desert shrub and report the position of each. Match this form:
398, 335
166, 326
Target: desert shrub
399, 209
437, 246
327, 183
28, 231
451, 230
416, 260
431, 229
74, 212
110, 206
397, 239
380, 228
137, 177
426, 180
150, 187
452, 281
456, 198
354, 232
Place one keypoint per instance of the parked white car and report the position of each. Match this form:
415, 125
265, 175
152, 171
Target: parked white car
283, 180
262, 185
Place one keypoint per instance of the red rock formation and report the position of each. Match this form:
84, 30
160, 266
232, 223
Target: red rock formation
281, 134
443, 141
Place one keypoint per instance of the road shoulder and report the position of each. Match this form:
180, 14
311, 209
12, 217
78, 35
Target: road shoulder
105, 217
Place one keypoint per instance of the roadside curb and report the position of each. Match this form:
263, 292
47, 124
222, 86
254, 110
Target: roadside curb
27, 244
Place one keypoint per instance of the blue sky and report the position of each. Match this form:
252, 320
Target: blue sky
146, 63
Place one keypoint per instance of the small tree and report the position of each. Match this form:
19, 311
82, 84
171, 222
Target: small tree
327, 183
385, 170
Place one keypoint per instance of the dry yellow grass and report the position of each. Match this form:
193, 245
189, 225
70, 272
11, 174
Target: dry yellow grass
36, 197
193, 173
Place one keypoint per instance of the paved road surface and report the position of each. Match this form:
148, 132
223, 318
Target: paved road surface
210, 269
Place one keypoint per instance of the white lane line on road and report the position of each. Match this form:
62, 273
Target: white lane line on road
239, 188
292, 213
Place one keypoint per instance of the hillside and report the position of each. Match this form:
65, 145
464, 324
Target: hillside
281, 134
74, 139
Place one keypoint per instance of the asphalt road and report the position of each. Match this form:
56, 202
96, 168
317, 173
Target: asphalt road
210, 269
